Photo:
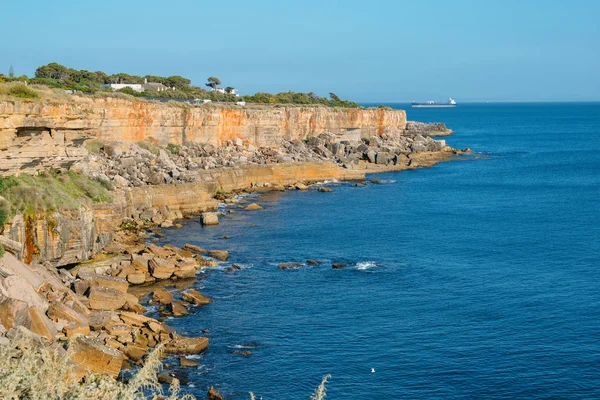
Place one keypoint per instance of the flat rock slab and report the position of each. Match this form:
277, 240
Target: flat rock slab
95, 357
107, 299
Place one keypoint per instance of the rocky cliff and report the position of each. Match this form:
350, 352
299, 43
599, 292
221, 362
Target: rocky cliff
42, 135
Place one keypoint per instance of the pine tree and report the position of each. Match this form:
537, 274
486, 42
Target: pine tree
11, 71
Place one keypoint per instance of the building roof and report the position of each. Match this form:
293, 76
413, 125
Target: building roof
154, 86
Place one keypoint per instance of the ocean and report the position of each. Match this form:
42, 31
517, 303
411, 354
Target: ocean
477, 278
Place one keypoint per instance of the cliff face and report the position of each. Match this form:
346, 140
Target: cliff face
69, 237
35, 135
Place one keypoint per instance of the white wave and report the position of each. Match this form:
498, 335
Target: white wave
363, 265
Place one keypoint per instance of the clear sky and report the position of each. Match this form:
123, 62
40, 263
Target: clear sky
368, 50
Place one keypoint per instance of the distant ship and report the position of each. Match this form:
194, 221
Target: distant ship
432, 104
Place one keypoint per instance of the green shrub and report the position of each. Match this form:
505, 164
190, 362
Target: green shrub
53, 191
150, 147
23, 92
173, 148
366, 140
4, 212
93, 146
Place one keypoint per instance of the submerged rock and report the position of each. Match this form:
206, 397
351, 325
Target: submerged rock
313, 262
253, 207
290, 266
324, 189
339, 266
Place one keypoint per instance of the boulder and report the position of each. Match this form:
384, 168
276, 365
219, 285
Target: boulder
14, 313
324, 189
339, 266
161, 269
140, 263
134, 319
195, 297
103, 298
185, 362
94, 357
313, 262
221, 255
41, 324
71, 330
59, 311
194, 249
158, 251
213, 394
177, 309
162, 296
136, 278
210, 218
113, 282
186, 345
253, 207
134, 352
185, 269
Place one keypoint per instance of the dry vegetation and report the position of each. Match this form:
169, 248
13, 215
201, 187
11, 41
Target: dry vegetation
31, 370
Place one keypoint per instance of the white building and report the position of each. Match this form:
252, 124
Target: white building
222, 90
138, 87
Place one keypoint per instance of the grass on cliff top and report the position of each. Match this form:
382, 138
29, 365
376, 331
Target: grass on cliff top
52, 191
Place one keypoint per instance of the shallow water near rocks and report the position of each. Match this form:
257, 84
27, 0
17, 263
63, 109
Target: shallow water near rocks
472, 279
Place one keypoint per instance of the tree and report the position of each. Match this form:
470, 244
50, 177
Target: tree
178, 82
213, 82
53, 71
11, 71
229, 90
333, 97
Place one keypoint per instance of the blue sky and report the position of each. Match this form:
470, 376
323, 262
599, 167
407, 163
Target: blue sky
377, 50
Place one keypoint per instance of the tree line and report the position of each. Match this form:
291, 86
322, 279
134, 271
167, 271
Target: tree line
59, 76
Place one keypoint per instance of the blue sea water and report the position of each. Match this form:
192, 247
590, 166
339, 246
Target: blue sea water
472, 279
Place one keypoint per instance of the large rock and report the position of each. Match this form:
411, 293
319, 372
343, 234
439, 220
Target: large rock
210, 218
108, 299
253, 207
94, 357
221, 255
41, 324
113, 282
195, 297
59, 311
158, 251
162, 296
186, 345
161, 269
14, 313
194, 249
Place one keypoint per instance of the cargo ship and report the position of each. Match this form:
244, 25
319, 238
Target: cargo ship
433, 104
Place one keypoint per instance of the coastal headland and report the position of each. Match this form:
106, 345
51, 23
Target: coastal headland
78, 275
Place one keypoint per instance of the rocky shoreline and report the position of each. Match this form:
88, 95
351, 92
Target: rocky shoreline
96, 309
